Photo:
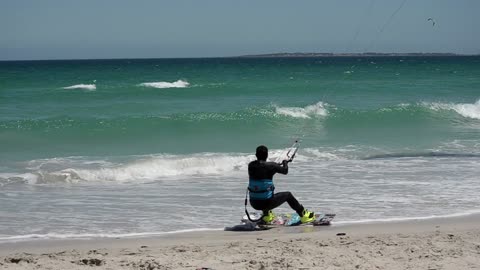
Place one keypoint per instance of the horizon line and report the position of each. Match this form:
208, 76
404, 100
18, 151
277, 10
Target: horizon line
268, 55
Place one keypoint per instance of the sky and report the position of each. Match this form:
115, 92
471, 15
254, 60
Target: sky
91, 29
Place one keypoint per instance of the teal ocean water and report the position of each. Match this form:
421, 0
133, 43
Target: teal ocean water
139, 147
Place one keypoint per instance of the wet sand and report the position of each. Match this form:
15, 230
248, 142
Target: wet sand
443, 243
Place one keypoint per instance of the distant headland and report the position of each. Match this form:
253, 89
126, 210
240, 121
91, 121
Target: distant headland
365, 54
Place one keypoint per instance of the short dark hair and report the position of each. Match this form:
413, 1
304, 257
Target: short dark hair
262, 152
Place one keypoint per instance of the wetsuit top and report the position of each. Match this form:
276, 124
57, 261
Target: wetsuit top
261, 174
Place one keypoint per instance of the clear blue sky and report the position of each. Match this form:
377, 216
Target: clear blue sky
69, 29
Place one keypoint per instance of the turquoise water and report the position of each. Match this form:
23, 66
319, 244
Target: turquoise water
114, 128
391, 103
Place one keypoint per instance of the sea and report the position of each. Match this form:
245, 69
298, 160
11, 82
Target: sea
143, 147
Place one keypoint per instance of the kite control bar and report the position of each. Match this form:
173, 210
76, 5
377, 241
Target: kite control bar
291, 152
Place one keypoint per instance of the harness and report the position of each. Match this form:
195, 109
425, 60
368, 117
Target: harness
260, 189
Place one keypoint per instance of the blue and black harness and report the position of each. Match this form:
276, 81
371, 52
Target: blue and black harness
259, 189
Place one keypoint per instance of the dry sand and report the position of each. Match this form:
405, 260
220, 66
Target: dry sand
452, 243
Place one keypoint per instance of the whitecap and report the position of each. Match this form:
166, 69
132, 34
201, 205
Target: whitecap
140, 169
177, 84
82, 86
317, 109
468, 110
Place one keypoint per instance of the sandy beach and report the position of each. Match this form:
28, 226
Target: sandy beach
444, 243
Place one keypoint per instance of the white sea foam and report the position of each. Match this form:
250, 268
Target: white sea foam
164, 166
402, 219
141, 169
357, 190
11, 178
82, 86
318, 154
168, 167
177, 84
148, 168
468, 110
145, 168
51, 236
318, 109
399, 107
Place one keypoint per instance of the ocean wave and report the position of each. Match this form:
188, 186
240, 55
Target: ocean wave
162, 166
21, 178
423, 155
149, 168
168, 167
138, 169
177, 84
318, 109
82, 86
422, 109
400, 114
469, 110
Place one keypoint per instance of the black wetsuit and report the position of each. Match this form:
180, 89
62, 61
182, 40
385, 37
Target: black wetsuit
260, 169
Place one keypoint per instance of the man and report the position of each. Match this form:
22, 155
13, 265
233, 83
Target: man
261, 188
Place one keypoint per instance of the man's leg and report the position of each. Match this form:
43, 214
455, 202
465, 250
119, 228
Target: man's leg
281, 197
263, 205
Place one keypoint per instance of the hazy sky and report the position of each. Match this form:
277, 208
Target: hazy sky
69, 29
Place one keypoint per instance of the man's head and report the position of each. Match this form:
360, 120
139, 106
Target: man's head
262, 153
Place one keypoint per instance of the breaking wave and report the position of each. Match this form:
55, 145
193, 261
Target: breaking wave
177, 84
138, 169
469, 110
168, 167
423, 155
148, 168
318, 109
82, 86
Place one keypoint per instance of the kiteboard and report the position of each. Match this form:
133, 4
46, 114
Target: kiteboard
287, 219
283, 219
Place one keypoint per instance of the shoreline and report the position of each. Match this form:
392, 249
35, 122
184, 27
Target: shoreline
440, 243
54, 237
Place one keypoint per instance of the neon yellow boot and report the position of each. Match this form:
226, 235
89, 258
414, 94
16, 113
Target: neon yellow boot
307, 216
269, 217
